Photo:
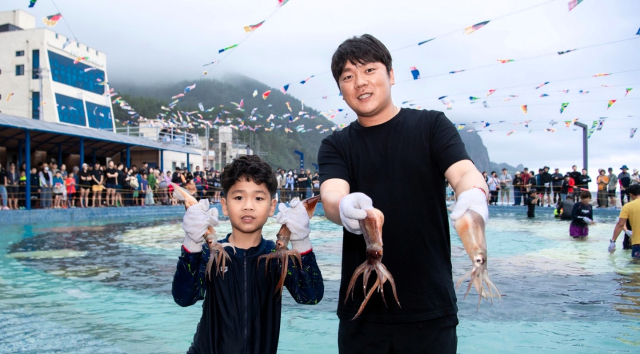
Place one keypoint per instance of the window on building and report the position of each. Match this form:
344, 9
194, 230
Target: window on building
19, 70
173, 166
35, 64
56, 36
35, 105
20, 53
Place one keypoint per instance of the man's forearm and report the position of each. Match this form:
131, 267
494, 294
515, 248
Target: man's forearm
616, 232
471, 179
331, 204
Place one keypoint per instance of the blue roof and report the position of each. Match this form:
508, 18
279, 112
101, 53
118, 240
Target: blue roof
51, 134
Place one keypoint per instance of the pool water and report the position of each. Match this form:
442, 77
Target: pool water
105, 287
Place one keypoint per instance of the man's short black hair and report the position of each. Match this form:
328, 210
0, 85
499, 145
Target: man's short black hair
248, 168
634, 189
359, 50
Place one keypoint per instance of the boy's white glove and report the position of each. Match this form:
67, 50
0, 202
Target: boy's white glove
352, 209
195, 224
297, 220
587, 220
629, 233
612, 247
472, 199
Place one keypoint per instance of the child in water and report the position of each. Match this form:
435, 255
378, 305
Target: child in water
532, 200
241, 309
581, 216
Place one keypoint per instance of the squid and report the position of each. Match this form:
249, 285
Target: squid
282, 253
217, 253
470, 228
371, 228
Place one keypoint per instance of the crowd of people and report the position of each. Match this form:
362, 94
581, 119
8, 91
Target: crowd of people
115, 185
551, 188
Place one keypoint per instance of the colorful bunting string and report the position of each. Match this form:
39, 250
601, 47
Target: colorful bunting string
227, 48
32, 3
524, 108
563, 107
611, 102
627, 91
633, 132
415, 73
475, 27
266, 94
573, 4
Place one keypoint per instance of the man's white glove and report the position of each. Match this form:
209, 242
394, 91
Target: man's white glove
472, 199
612, 247
297, 220
196, 223
352, 210
629, 233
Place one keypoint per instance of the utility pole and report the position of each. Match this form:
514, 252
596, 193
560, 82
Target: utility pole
207, 142
585, 145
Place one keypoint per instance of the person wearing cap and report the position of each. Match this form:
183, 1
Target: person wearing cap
517, 189
603, 182
525, 181
635, 178
556, 182
630, 212
625, 180
611, 188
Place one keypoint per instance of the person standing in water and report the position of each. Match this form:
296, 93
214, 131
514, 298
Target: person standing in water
581, 216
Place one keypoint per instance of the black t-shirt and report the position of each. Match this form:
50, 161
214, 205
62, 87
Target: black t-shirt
305, 183
97, 174
120, 177
3, 174
557, 179
83, 182
400, 164
531, 207
581, 210
583, 181
111, 180
575, 175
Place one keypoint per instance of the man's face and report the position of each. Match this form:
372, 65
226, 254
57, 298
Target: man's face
546, 169
110, 164
575, 168
557, 170
366, 88
504, 172
584, 172
248, 205
97, 166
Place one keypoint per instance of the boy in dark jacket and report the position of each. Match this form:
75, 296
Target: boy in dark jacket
241, 309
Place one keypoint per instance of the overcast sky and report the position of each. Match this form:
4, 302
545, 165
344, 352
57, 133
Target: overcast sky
149, 41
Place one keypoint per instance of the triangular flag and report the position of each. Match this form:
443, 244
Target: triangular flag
628, 90
563, 107
266, 94
250, 28
490, 92
284, 89
255, 93
504, 61
567, 123
611, 102
475, 27
633, 132
524, 108
428, 40
573, 4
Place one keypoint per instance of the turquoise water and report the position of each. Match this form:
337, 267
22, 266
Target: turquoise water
104, 287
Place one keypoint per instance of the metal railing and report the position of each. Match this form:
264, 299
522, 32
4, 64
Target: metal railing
169, 135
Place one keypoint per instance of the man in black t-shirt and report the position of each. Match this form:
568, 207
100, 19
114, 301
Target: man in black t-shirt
111, 183
97, 178
575, 175
396, 160
303, 183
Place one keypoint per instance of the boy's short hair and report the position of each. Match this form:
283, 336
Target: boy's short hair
359, 50
585, 194
250, 168
634, 189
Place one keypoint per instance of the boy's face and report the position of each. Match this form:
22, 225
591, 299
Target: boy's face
585, 200
248, 205
366, 88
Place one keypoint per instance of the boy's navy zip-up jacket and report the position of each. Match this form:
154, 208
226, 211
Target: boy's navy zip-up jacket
241, 312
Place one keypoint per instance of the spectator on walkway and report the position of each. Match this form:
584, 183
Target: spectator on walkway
35, 186
545, 180
538, 185
46, 185
625, 180
494, 187
13, 186
3, 188
583, 181
111, 184
603, 183
525, 181
575, 175
58, 189
63, 171
556, 183
567, 188
611, 188
144, 187
505, 184
70, 184
635, 177
22, 187
97, 178
290, 185
517, 189
120, 184
85, 186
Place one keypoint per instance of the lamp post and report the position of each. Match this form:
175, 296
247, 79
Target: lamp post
585, 145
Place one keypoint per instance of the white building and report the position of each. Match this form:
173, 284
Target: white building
47, 76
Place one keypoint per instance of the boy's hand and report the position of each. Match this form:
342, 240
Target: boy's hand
296, 219
196, 223
472, 199
352, 209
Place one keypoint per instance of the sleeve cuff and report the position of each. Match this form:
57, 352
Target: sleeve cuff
303, 246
